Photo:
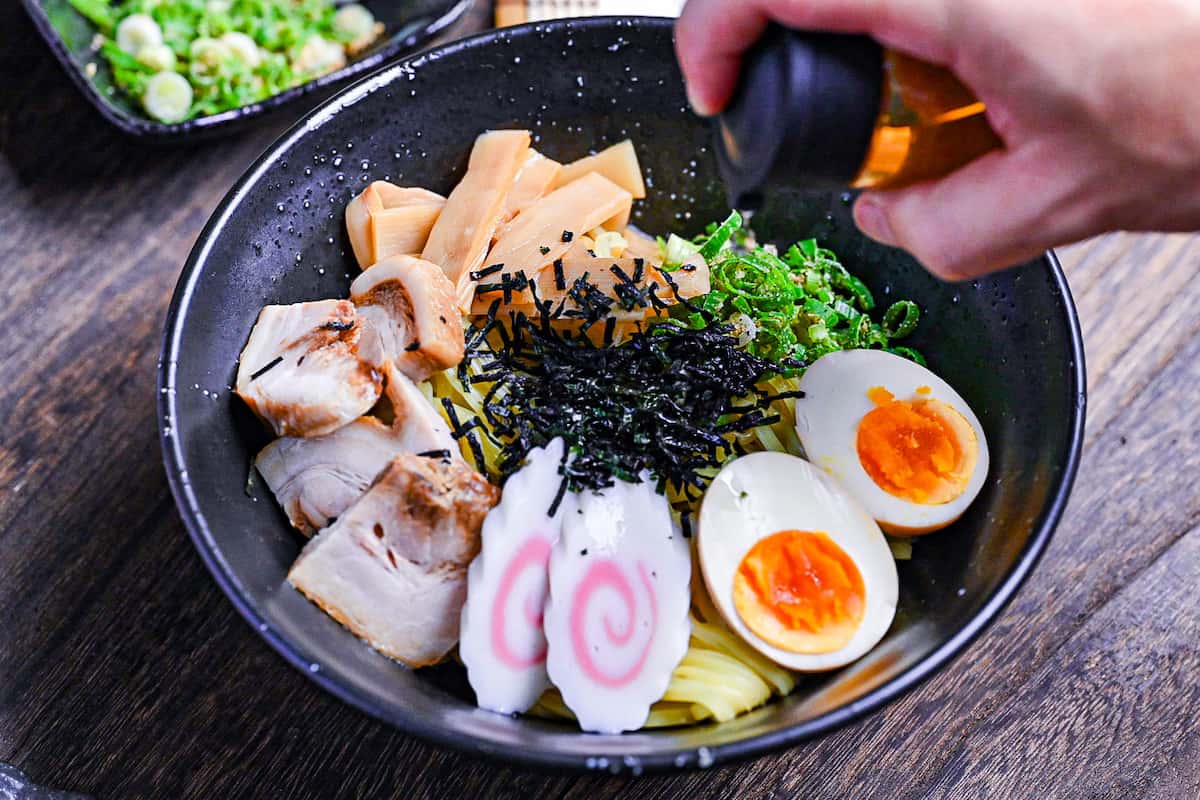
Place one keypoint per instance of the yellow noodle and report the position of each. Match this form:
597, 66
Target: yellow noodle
768, 439
551, 704
718, 676
723, 702
662, 715
724, 641
709, 628
739, 681
672, 715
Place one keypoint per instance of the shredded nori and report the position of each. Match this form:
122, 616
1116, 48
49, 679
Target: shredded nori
476, 452
270, 365
658, 402
335, 325
488, 270
639, 269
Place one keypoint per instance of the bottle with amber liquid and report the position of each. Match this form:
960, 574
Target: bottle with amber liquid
830, 110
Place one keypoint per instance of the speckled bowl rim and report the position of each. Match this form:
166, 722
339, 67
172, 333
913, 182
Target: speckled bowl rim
669, 759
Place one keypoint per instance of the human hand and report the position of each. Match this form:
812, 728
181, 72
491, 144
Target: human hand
1095, 101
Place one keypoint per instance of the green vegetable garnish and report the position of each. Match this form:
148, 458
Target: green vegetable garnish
677, 250
98, 11
231, 52
720, 236
794, 308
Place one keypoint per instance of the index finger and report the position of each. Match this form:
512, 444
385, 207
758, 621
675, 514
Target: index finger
712, 35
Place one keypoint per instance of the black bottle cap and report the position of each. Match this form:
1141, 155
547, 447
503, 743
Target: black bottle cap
803, 113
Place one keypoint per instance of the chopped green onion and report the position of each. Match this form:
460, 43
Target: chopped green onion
353, 22
157, 57
97, 11
717, 240
909, 353
138, 31
802, 304
678, 250
902, 549
232, 52
242, 47
168, 97
901, 319
122, 60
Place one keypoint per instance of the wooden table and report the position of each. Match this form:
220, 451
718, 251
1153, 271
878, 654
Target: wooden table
124, 672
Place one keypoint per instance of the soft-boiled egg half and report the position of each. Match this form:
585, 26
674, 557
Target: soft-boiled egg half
903, 442
794, 564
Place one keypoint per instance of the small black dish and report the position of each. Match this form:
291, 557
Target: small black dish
409, 23
1009, 343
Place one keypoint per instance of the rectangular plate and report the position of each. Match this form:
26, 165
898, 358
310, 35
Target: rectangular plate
408, 23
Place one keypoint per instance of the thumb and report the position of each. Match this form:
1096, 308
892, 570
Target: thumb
999, 210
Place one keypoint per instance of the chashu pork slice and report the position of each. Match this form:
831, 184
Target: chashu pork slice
416, 421
393, 568
410, 313
315, 479
302, 371
639, 245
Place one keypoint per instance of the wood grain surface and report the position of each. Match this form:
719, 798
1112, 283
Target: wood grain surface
125, 673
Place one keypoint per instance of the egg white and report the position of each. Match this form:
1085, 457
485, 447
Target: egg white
764, 493
835, 400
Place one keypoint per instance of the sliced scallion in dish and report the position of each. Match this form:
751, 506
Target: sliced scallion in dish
796, 306
230, 52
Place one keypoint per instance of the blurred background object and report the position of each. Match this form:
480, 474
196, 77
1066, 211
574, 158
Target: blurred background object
514, 12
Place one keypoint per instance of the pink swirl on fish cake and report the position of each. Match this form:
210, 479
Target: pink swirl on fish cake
534, 554
606, 573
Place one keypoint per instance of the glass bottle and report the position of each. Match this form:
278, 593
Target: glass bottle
830, 110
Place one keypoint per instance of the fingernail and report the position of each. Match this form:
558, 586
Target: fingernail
702, 107
870, 218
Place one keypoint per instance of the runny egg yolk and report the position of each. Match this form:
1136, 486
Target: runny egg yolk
921, 450
800, 591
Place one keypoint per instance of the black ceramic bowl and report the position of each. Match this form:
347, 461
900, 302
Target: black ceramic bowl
408, 24
1009, 343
